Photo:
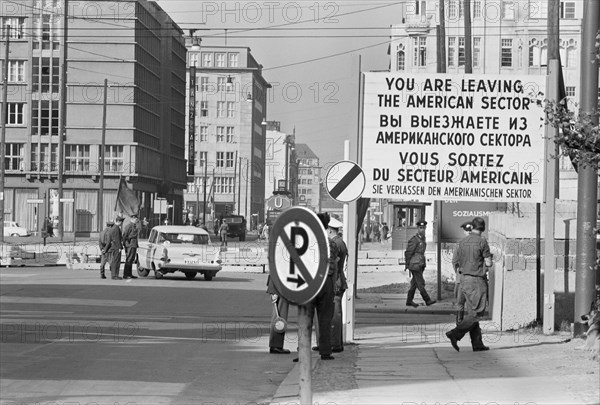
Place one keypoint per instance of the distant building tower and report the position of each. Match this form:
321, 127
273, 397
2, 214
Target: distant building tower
309, 177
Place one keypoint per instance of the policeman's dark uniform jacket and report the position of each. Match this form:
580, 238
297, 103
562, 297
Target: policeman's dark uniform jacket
323, 302
471, 256
276, 339
341, 285
103, 240
415, 263
130, 242
114, 247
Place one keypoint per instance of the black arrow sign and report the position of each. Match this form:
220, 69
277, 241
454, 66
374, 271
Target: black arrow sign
299, 281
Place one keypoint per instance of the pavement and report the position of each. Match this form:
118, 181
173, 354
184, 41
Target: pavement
415, 364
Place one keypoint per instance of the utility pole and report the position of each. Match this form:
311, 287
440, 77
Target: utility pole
3, 131
62, 133
102, 152
554, 54
239, 186
468, 48
442, 39
204, 189
587, 175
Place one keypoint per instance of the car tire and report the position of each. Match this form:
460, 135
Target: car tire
158, 274
142, 272
208, 276
14, 234
190, 275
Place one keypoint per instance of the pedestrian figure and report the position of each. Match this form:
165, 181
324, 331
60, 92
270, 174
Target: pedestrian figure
460, 301
340, 287
49, 227
114, 247
145, 224
103, 241
376, 232
280, 311
265, 232
384, 233
473, 258
191, 220
223, 232
130, 242
415, 263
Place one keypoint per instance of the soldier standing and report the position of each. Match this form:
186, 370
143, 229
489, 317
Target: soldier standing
340, 286
277, 338
415, 263
114, 247
130, 241
103, 241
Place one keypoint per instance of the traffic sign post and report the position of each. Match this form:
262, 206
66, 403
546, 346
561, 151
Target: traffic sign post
345, 181
298, 264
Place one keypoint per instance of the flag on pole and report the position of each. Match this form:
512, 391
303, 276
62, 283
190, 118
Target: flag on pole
127, 202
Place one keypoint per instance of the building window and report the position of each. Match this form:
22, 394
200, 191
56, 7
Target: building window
420, 55
202, 158
203, 84
77, 158
203, 133
452, 10
45, 75
233, 59
204, 108
220, 134
46, 25
401, 59
17, 25
230, 135
220, 60
537, 52
461, 51
221, 83
220, 109
207, 59
220, 159
570, 91
224, 185
13, 156
16, 71
567, 9
47, 155
571, 57
229, 160
477, 9
230, 109
476, 51
506, 53
15, 114
44, 117
113, 158
508, 10
194, 59
451, 50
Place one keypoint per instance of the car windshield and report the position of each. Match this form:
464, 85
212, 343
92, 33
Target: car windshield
187, 238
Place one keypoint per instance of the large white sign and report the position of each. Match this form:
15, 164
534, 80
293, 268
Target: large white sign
433, 137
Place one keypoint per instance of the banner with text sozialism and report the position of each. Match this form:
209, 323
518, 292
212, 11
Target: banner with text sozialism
433, 137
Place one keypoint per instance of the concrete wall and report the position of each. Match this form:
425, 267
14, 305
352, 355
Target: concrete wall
512, 238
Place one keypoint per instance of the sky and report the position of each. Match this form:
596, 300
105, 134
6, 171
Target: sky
310, 54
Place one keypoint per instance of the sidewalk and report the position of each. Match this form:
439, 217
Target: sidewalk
415, 364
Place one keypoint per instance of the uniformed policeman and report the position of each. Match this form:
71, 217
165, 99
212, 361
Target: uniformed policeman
473, 258
103, 241
415, 263
114, 247
460, 300
340, 286
130, 242
280, 309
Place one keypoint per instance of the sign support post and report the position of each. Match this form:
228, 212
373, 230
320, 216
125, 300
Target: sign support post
304, 353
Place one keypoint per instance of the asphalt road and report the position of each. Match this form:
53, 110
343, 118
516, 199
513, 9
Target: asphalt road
69, 337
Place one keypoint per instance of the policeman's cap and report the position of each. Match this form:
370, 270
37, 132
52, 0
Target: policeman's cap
422, 223
119, 218
467, 226
133, 216
110, 223
334, 223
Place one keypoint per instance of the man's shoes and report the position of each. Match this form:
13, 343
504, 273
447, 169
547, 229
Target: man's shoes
411, 304
102, 276
430, 302
481, 348
338, 350
453, 341
117, 278
327, 357
315, 348
278, 350
295, 360
129, 277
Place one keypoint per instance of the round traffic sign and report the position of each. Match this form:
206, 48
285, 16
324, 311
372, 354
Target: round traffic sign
298, 255
345, 181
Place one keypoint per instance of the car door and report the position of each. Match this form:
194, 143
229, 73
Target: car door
144, 251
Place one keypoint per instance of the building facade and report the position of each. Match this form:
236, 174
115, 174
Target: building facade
226, 112
281, 167
309, 177
57, 67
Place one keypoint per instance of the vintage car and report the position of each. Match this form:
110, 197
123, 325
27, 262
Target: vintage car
236, 226
11, 228
172, 248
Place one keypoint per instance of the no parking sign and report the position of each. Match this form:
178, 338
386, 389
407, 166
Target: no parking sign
298, 255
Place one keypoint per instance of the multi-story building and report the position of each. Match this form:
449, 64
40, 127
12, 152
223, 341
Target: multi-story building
226, 113
281, 167
309, 176
133, 45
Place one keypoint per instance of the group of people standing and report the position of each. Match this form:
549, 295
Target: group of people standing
113, 240
327, 304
